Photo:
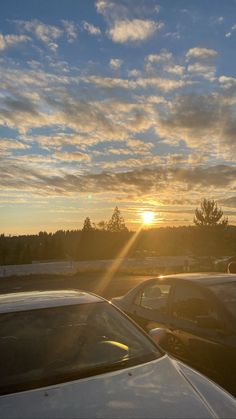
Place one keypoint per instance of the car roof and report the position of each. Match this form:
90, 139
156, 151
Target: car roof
203, 278
33, 300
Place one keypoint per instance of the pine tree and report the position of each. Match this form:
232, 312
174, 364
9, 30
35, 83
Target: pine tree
87, 225
209, 214
116, 223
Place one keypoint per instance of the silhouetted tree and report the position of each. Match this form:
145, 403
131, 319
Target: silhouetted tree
102, 225
87, 225
116, 223
209, 214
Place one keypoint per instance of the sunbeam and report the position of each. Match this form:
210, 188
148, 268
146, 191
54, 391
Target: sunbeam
117, 263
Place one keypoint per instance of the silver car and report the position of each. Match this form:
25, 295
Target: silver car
70, 354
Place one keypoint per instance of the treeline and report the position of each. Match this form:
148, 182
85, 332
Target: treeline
103, 244
104, 240
210, 236
188, 240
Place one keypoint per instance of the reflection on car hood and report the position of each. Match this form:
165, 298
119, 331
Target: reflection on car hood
157, 389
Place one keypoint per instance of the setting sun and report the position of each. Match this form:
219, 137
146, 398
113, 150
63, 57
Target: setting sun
148, 217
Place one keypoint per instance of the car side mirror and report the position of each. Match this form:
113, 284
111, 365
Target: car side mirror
157, 334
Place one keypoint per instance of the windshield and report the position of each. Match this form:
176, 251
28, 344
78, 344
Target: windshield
47, 346
227, 294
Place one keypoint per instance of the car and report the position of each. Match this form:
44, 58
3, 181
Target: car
222, 263
72, 354
196, 317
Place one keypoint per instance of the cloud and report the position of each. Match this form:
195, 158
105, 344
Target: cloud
172, 35
72, 156
230, 33
117, 152
132, 147
61, 139
219, 176
203, 121
136, 30
134, 73
112, 10
202, 69
178, 70
127, 24
51, 102
163, 56
229, 202
33, 161
21, 113
71, 30
115, 63
193, 159
33, 81
161, 181
164, 62
55, 102
202, 53
47, 34
131, 163
8, 41
220, 20
91, 29
155, 82
227, 82
141, 145
153, 99
11, 144
191, 113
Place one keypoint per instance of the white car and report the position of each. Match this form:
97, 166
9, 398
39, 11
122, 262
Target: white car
70, 354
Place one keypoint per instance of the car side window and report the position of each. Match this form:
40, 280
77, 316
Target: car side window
154, 297
192, 305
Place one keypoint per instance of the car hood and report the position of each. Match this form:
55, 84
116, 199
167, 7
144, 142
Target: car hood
157, 389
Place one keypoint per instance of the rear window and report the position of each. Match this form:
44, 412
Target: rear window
227, 294
47, 346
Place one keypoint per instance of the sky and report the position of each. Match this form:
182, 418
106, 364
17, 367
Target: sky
128, 103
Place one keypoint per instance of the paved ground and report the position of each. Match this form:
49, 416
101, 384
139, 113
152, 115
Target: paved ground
118, 285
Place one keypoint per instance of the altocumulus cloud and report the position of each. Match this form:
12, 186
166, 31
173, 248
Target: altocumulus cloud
8, 41
141, 182
204, 53
201, 120
47, 34
115, 63
72, 156
91, 29
70, 29
135, 30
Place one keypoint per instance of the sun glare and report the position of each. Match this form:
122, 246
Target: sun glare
148, 217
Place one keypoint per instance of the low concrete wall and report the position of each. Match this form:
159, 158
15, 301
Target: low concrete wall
150, 265
59, 268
